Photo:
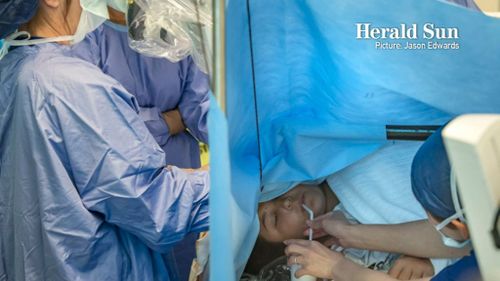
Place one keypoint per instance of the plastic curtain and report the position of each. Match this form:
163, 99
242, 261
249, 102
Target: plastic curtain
235, 179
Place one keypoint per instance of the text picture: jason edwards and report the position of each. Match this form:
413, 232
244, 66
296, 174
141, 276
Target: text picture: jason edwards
430, 45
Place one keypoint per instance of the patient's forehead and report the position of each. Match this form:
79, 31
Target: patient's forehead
290, 192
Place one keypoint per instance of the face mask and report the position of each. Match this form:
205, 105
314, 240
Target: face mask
119, 5
88, 23
448, 241
96, 7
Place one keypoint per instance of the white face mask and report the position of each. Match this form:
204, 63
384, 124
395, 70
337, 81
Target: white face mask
119, 5
88, 23
94, 13
448, 241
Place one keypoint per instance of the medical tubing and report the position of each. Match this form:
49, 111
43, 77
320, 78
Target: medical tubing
13, 41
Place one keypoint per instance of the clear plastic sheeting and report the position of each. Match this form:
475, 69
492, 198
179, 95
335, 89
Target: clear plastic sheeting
173, 29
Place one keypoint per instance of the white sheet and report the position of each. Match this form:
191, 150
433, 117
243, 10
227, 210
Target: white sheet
377, 189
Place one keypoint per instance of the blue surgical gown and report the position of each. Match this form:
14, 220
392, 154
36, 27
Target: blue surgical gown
466, 269
158, 85
84, 194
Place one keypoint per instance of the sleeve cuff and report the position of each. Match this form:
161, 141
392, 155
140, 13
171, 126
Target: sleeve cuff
155, 123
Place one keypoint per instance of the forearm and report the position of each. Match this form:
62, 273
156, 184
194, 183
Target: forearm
174, 122
418, 238
345, 270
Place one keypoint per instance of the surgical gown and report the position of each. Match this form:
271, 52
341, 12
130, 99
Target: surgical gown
84, 194
159, 85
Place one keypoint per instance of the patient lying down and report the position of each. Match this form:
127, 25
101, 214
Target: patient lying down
285, 218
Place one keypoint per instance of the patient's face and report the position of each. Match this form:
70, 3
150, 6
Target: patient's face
284, 218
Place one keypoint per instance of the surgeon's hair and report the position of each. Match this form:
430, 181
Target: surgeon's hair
262, 254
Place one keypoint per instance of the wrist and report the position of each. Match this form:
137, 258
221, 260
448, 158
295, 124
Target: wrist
174, 122
347, 236
342, 269
335, 268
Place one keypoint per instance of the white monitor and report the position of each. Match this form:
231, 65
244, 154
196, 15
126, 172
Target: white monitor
473, 146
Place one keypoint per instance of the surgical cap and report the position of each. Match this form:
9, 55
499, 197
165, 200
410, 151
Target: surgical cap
15, 12
430, 177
